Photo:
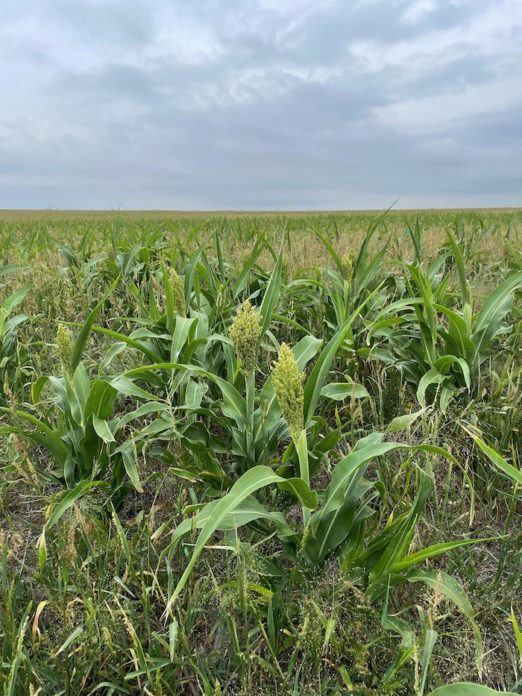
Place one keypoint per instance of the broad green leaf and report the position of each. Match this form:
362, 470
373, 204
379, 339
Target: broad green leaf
251, 481
182, 328
432, 376
146, 348
467, 689
234, 402
326, 522
401, 423
494, 307
143, 410
492, 312
433, 551
102, 429
317, 377
100, 401
84, 332
338, 391
306, 349
508, 469
10, 303
128, 454
458, 333
127, 387
44, 435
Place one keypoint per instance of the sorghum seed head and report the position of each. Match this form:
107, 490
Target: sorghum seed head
245, 333
64, 345
288, 386
178, 292
347, 264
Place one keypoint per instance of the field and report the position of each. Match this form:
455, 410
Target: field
261, 454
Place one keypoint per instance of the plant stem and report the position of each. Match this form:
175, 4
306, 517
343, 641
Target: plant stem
250, 388
301, 447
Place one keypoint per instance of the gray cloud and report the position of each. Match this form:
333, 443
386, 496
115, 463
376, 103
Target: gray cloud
266, 104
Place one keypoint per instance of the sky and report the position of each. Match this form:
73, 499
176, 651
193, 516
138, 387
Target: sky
260, 104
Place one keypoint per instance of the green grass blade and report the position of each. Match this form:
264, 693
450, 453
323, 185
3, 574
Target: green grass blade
83, 335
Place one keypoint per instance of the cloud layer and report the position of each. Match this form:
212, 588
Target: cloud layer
260, 104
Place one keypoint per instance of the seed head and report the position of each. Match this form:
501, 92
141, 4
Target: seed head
288, 386
347, 265
245, 333
64, 346
178, 291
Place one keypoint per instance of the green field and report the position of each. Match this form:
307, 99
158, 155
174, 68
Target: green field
261, 454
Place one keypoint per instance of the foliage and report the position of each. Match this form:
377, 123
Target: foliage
276, 455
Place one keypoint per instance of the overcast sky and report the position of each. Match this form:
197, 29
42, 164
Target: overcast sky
260, 104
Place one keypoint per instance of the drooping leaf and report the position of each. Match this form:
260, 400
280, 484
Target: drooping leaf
250, 482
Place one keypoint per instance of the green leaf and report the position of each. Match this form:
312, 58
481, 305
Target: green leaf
400, 540
330, 249
127, 387
128, 454
492, 312
247, 511
306, 349
461, 342
242, 279
145, 348
338, 391
143, 410
432, 376
37, 387
461, 268
329, 526
452, 590
508, 469
234, 403
69, 641
83, 335
113, 351
467, 689
66, 500
102, 429
433, 551
318, 375
430, 638
401, 423
251, 481
271, 296
44, 435
100, 401
180, 335
494, 306
517, 632
300, 488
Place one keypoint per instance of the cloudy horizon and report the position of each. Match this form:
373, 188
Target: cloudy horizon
269, 104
